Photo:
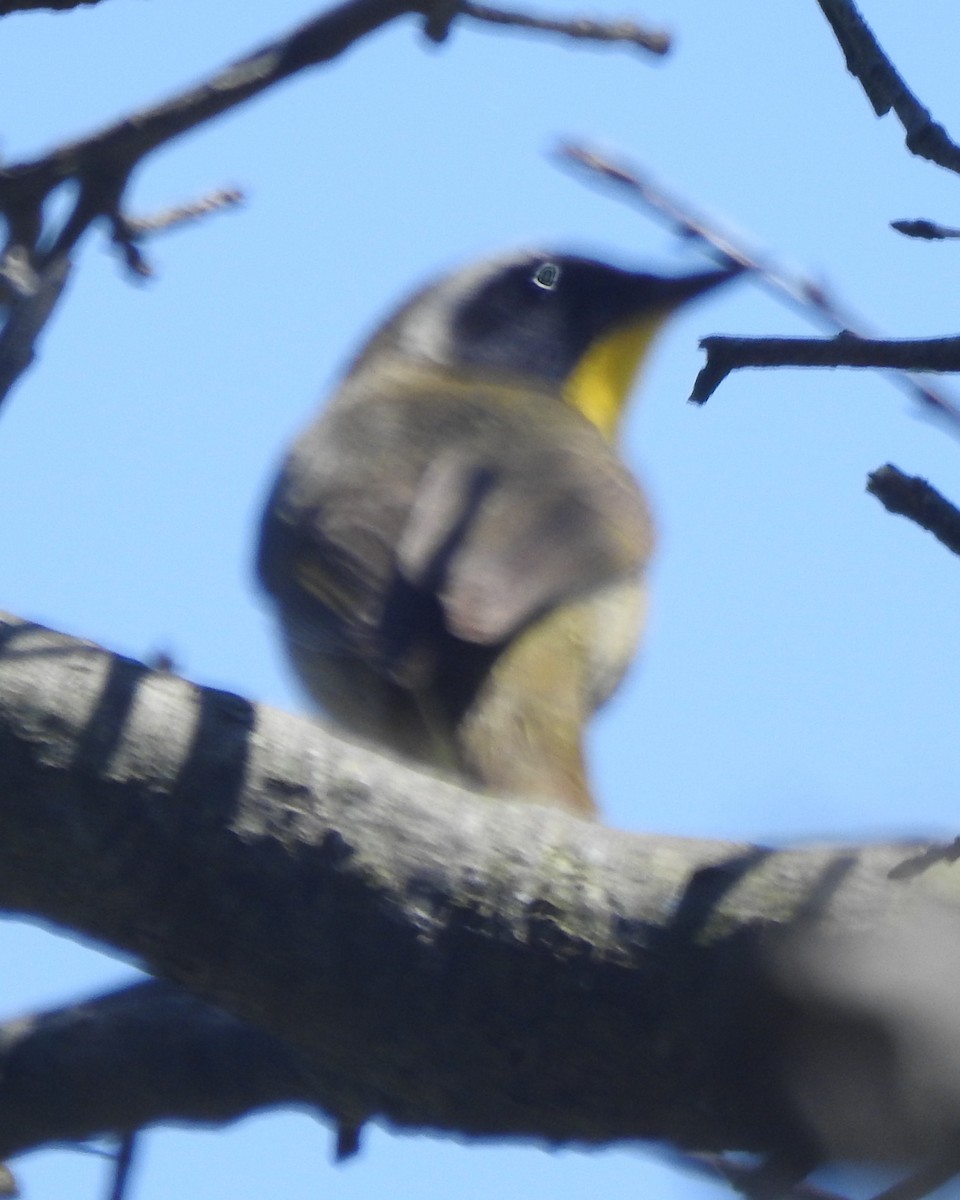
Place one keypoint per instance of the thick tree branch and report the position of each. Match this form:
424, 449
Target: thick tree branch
408, 939
726, 354
452, 961
885, 88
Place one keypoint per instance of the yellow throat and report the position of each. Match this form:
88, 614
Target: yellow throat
601, 382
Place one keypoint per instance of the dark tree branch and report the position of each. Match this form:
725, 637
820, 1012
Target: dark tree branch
148, 1053
12, 6
885, 88
31, 299
929, 231
802, 294
912, 497
726, 354
122, 1166
452, 961
101, 165
31, 295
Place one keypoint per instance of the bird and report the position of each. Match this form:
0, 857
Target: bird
454, 547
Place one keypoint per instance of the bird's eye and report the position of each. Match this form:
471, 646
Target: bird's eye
547, 276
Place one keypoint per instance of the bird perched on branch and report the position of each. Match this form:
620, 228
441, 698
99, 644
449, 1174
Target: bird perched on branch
454, 547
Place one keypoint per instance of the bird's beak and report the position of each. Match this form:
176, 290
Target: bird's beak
680, 289
603, 378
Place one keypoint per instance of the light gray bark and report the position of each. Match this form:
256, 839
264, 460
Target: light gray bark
446, 960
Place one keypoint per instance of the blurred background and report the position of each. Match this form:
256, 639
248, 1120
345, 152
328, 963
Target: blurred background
799, 679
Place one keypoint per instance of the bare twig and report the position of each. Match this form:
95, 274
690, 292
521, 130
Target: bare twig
914, 498
884, 86
656, 41
129, 231
122, 1165
800, 293
160, 222
640, 189
726, 354
101, 164
928, 230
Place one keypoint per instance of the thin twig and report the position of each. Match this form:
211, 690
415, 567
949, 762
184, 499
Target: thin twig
656, 41
101, 164
640, 189
727, 354
912, 497
129, 231
884, 86
183, 213
928, 230
802, 294
123, 1163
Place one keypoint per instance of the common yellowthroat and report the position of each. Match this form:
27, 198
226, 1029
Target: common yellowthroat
454, 547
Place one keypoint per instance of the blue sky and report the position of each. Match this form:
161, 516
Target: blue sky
800, 674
